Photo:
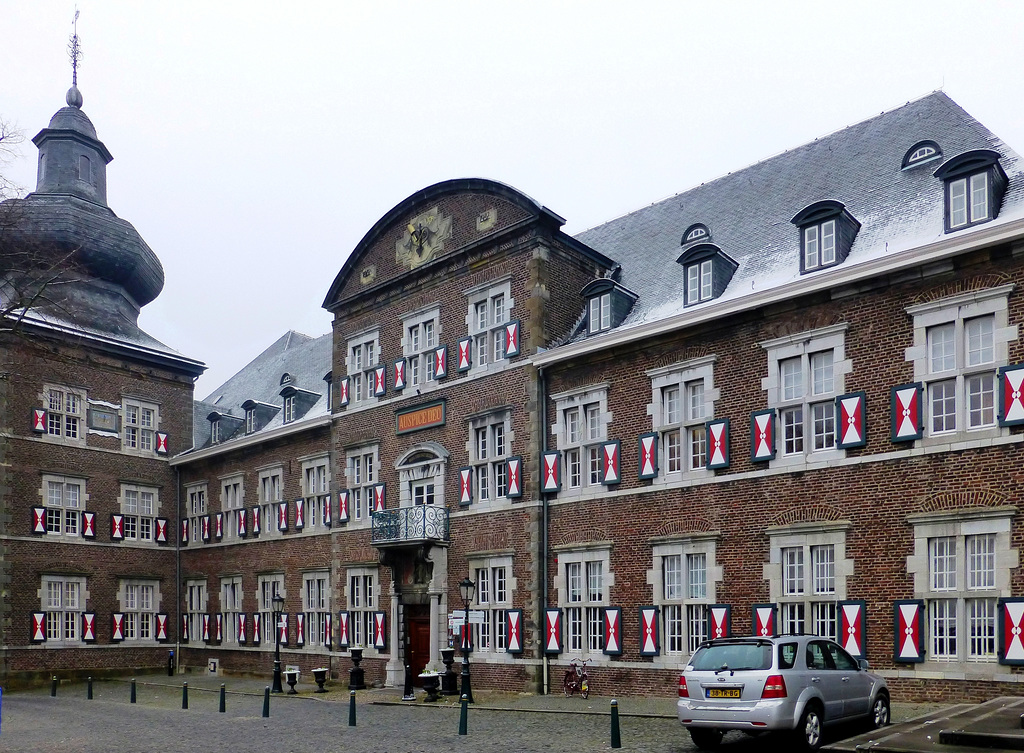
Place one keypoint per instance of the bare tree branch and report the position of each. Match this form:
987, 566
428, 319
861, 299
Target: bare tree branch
10, 139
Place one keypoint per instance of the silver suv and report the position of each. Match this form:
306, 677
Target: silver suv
795, 683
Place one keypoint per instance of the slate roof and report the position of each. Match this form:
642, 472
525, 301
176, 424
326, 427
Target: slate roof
748, 212
307, 359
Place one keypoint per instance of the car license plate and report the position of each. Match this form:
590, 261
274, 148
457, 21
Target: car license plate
723, 692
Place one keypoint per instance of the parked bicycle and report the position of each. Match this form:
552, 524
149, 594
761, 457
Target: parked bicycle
576, 678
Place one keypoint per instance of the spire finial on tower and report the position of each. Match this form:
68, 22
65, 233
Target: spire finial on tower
74, 98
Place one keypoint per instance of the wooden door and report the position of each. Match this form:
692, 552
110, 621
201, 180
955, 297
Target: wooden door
419, 645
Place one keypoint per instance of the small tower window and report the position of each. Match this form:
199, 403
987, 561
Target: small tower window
696, 232
600, 313
84, 169
920, 153
251, 424
215, 432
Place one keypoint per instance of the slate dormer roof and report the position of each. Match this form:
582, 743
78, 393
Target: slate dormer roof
750, 210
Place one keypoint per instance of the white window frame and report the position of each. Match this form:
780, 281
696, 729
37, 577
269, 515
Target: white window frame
63, 515
968, 200
599, 312
699, 281
360, 481
495, 584
232, 499
487, 330
489, 446
362, 357
63, 598
797, 410
63, 425
590, 405
421, 333
684, 604
267, 585
140, 422
139, 518
958, 310
820, 244
316, 604
582, 613
197, 501
362, 595
230, 607
196, 603
316, 491
139, 601
269, 494
682, 437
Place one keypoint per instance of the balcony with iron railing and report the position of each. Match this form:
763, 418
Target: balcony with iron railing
410, 525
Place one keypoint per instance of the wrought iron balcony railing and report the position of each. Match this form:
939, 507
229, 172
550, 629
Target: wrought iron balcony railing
410, 525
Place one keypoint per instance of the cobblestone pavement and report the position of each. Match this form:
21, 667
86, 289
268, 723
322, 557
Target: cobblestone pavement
70, 723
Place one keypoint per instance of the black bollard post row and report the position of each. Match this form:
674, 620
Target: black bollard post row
53, 687
351, 708
463, 714
223, 699
266, 702
88, 688
132, 699
184, 695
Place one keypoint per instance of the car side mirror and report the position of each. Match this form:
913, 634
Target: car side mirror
863, 663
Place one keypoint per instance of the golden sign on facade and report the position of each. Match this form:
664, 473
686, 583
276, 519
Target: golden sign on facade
420, 417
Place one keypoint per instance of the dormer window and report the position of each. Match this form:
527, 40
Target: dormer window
920, 153
707, 271
215, 431
608, 303
827, 231
289, 409
975, 183
600, 316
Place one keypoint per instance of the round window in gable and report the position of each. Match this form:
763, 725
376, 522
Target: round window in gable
920, 153
696, 232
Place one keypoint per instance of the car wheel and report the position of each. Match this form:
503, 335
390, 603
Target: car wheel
706, 739
808, 732
880, 712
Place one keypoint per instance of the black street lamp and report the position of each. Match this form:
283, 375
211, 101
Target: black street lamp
278, 602
467, 588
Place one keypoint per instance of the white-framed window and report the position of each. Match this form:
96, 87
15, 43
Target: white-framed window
682, 401
65, 413
140, 423
215, 431
316, 603
419, 341
490, 438
819, 243
269, 497
64, 499
807, 571
489, 311
289, 409
230, 607
699, 276
361, 596
806, 372
361, 475
63, 598
599, 313
583, 581
582, 426
493, 597
961, 567
139, 505
315, 492
195, 608
196, 494
140, 601
684, 579
232, 499
363, 355
959, 344
969, 200
268, 586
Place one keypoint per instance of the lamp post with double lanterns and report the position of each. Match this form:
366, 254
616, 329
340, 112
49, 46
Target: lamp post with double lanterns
278, 602
467, 588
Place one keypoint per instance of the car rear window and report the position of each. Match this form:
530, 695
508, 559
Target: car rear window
734, 656
787, 655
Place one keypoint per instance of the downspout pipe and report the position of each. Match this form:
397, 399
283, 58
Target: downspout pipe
542, 396
177, 568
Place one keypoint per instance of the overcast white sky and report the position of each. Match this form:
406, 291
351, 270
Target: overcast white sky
255, 143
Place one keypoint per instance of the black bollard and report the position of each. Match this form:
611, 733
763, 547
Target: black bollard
184, 695
463, 714
133, 691
408, 695
223, 699
88, 688
266, 702
170, 663
616, 738
53, 687
351, 708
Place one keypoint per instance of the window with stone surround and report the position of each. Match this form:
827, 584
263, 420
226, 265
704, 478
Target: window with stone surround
316, 603
419, 341
360, 476
490, 439
363, 355
684, 581
315, 492
493, 596
140, 505
269, 497
267, 587
361, 596
230, 608
140, 421
195, 608
196, 494
232, 499
583, 581
63, 599
140, 601
582, 426
65, 413
489, 311
64, 498
682, 401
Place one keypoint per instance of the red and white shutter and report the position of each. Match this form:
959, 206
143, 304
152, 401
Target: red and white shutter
206, 628
161, 627
282, 516
161, 529
161, 443
613, 631
762, 435
205, 527
343, 506
720, 618
465, 486
240, 627
380, 381
343, 391
218, 627
552, 631
851, 429
39, 420
906, 413
257, 628
184, 531
379, 498
648, 454
39, 627
441, 362
328, 631
38, 520
764, 616
300, 515
184, 629
718, 443
218, 525
242, 519
1011, 631
1011, 401
610, 463
511, 339
551, 471
327, 511
300, 628
380, 630
514, 474
254, 519
514, 631
465, 354
343, 639
908, 633
117, 626
650, 640
89, 627
117, 527
282, 629
852, 628
400, 374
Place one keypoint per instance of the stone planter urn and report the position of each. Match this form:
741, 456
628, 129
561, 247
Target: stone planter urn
291, 676
356, 675
431, 685
320, 675
449, 678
